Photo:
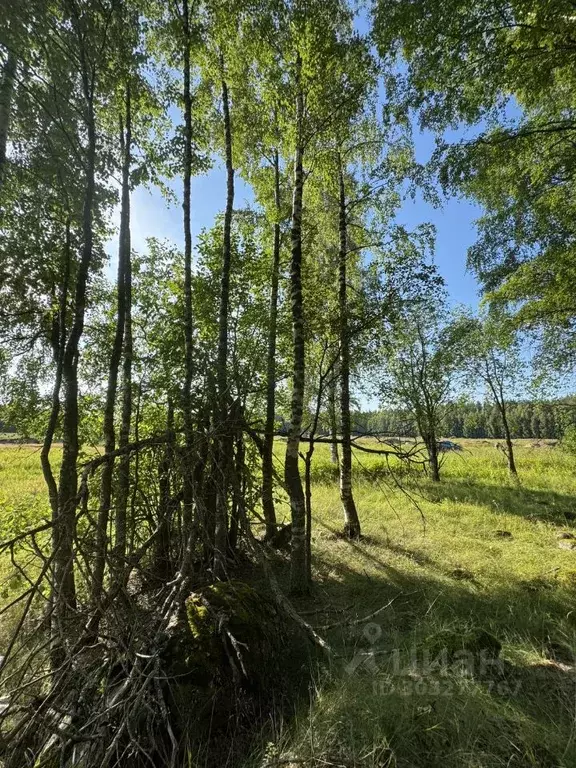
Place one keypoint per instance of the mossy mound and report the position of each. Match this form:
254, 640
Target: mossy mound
241, 637
237, 659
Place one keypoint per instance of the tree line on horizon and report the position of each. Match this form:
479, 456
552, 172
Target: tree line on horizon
536, 420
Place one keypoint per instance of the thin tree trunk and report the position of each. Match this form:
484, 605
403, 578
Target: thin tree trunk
64, 531
6, 94
56, 651
299, 583
47, 473
222, 421
268, 442
334, 454
351, 521
433, 456
308, 458
60, 341
508, 438
208, 458
237, 515
125, 332
120, 527
497, 389
188, 488
161, 567
115, 358
308, 503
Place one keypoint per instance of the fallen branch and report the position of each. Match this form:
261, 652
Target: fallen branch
403, 455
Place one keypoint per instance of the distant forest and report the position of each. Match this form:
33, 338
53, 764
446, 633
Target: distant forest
538, 420
528, 419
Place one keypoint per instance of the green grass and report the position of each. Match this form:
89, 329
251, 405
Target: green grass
449, 574
433, 555
23, 505
23, 497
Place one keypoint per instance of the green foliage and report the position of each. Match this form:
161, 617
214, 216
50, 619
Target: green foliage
568, 441
508, 71
420, 366
302, 85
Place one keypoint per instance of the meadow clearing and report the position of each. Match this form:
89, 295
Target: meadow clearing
439, 566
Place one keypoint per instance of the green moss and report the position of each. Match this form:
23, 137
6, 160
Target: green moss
240, 636
197, 615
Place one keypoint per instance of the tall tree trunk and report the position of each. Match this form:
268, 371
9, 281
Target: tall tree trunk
208, 469
299, 582
334, 455
351, 521
497, 389
188, 481
59, 342
308, 505
6, 94
115, 358
64, 530
123, 490
224, 437
308, 461
161, 564
237, 514
268, 442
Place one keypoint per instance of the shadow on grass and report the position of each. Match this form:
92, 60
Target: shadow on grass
521, 717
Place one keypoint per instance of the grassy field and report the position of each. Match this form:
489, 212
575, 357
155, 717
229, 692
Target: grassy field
416, 611
476, 557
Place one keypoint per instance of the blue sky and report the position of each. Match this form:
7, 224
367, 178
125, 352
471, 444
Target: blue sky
455, 229
152, 215
454, 221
